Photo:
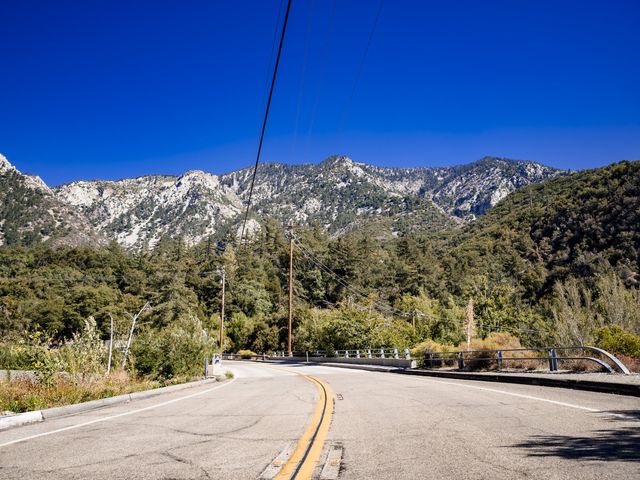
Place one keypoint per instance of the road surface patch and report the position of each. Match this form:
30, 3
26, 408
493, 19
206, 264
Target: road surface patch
331, 468
274, 467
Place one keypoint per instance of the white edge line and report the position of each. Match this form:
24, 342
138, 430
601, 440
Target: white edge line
531, 397
124, 414
521, 395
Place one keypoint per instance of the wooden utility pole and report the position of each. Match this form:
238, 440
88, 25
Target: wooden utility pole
289, 351
224, 281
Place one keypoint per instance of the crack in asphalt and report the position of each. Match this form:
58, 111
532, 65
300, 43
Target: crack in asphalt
185, 461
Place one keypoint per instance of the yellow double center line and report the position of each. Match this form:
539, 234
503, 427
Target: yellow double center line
306, 454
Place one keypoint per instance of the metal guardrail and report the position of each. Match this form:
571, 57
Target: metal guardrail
550, 354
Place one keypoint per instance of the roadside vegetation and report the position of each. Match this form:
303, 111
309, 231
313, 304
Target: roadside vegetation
77, 370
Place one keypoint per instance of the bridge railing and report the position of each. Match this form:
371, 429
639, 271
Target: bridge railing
463, 359
356, 353
552, 356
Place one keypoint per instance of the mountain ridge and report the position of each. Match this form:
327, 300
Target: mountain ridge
337, 193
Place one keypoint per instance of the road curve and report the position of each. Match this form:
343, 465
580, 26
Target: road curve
385, 426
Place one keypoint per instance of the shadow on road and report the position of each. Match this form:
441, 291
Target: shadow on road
620, 444
624, 415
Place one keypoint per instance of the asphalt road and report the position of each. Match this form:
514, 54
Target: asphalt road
386, 426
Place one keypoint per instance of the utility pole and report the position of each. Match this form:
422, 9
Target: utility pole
290, 290
224, 281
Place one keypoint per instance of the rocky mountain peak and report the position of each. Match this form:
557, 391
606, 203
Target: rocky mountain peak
5, 165
31, 181
31, 213
337, 161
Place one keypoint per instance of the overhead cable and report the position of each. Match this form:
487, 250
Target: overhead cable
264, 122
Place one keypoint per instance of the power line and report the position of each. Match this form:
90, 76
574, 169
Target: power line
381, 307
301, 85
273, 49
323, 65
266, 117
343, 282
347, 106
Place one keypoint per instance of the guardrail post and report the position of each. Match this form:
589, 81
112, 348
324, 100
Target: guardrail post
430, 356
346, 354
395, 353
357, 353
499, 357
460, 361
553, 360
407, 354
382, 353
369, 353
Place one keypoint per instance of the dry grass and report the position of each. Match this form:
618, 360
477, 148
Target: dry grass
633, 364
580, 365
25, 395
480, 360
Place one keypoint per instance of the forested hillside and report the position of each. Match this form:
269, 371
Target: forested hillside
552, 262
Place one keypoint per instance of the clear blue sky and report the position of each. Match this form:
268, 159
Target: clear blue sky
110, 89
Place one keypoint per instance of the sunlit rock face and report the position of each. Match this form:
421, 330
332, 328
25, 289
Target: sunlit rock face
337, 194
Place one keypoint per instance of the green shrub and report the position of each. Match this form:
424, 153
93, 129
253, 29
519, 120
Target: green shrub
16, 357
246, 353
618, 341
176, 350
85, 354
